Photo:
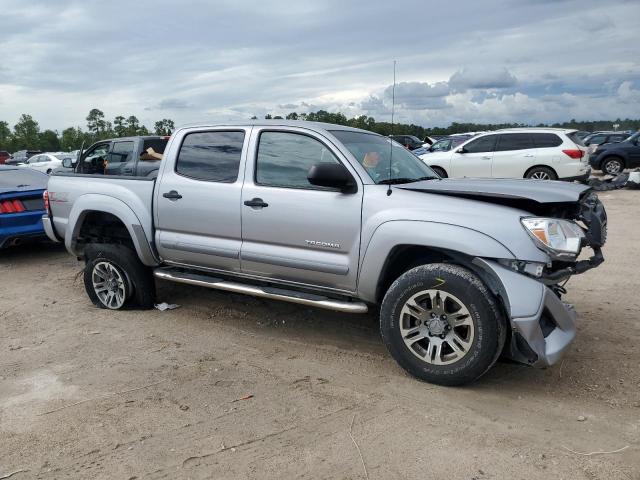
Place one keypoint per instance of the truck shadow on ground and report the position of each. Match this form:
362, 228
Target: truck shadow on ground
345, 334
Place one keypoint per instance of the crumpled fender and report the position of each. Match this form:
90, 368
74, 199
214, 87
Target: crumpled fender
429, 234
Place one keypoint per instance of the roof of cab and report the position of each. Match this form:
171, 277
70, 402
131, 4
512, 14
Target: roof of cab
317, 126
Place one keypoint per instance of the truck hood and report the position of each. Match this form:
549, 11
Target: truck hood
519, 193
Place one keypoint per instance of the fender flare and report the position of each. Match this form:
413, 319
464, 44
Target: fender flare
96, 203
436, 235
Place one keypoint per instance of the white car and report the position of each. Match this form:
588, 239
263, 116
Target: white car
540, 153
46, 162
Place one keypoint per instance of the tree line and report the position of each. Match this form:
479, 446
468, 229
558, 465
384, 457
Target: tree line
384, 128
26, 133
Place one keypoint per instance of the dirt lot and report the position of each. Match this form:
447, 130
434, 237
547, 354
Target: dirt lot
88, 393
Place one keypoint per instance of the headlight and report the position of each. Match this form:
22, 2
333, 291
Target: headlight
561, 239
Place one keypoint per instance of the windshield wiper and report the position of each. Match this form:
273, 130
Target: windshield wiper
397, 181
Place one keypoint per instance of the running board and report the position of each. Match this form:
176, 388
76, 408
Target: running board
263, 292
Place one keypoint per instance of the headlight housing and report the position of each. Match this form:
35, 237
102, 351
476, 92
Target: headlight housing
561, 239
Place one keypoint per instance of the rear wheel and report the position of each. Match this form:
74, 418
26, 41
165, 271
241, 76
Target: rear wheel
441, 324
612, 165
440, 171
115, 278
541, 173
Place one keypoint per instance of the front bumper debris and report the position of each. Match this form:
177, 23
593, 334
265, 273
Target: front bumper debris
542, 326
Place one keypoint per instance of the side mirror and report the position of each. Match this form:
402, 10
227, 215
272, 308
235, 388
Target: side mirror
67, 162
332, 175
461, 150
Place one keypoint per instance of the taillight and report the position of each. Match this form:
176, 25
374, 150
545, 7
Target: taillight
11, 206
45, 197
577, 153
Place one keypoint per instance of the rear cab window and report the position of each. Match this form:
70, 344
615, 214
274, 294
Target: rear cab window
212, 156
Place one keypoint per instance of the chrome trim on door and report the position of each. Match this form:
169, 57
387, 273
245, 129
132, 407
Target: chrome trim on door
296, 263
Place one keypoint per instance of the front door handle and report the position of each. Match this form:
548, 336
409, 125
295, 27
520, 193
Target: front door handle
172, 195
486, 158
256, 203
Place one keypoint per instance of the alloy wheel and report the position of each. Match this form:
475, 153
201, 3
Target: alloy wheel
436, 327
109, 284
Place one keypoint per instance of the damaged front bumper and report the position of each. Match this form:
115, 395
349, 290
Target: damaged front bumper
542, 326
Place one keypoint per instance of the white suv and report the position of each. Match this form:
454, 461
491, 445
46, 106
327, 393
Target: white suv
540, 153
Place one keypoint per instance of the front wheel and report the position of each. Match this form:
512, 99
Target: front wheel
612, 166
115, 278
442, 325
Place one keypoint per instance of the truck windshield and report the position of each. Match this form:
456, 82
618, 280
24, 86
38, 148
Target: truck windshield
374, 154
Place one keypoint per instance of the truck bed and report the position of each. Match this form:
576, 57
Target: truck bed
128, 197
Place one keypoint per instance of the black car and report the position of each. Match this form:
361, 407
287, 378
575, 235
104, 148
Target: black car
599, 138
409, 141
21, 156
612, 158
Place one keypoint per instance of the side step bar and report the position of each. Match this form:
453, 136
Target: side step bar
264, 292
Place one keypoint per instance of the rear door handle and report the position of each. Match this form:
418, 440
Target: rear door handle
172, 195
256, 203
529, 155
486, 158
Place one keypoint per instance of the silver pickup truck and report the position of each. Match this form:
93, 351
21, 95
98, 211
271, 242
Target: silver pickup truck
461, 271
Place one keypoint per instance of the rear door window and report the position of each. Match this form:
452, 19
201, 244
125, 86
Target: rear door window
514, 141
482, 144
546, 140
120, 159
211, 156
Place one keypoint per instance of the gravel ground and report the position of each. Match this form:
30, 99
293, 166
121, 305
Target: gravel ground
229, 386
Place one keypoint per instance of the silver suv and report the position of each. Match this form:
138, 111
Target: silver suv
460, 271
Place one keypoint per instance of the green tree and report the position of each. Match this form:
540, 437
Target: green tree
25, 133
5, 136
268, 116
164, 127
133, 125
95, 122
292, 116
119, 127
72, 138
49, 141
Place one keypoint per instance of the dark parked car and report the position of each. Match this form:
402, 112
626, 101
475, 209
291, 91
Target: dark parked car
599, 138
409, 141
612, 158
21, 156
125, 156
21, 204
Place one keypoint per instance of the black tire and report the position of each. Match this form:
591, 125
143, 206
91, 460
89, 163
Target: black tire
138, 278
49, 172
488, 337
545, 172
440, 171
612, 165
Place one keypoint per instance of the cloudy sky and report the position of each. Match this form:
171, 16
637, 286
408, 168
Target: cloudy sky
464, 60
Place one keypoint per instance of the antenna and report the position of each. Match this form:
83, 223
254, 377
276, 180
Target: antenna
393, 109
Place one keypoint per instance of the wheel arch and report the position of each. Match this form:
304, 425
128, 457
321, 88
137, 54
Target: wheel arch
96, 214
540, 166
386, 258
616, 155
